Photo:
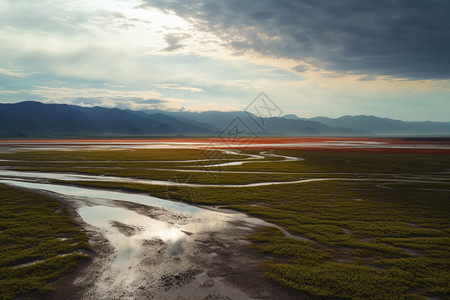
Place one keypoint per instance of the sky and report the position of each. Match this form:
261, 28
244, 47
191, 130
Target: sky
312, 58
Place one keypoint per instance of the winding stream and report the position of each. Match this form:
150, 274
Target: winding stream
151, 241
10, 174
151, 237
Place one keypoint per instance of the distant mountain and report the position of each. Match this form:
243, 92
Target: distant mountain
215, 120
221, 121
291, 117
384, 126
35, 119
38, 119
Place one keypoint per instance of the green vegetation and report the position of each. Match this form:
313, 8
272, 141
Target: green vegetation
116, 155
163, 175
38, 242
368, 239
368, 243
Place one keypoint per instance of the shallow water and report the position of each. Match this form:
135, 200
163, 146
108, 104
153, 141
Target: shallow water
209, 217
120, 145
6, 174
147, 228
112, 219
129, 248
104, 194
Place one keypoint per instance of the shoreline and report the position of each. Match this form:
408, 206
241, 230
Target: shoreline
364, 145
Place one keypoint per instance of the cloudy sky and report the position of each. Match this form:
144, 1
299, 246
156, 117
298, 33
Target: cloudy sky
313, 58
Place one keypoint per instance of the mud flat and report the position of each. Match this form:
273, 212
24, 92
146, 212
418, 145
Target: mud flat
145, 251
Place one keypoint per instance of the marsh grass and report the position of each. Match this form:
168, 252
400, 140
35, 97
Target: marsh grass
39, 242
162, 175
378, 240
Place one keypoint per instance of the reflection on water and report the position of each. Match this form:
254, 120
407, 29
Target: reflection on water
176, 248
75, 177
128, 246
227, 164
120, 145
128, 231
103, 194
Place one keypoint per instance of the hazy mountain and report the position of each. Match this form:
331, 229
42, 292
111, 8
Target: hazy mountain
38, 119
385, 126
291, 117
221, 122
215, 120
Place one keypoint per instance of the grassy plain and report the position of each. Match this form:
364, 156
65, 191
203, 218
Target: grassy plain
38, 242
367, 239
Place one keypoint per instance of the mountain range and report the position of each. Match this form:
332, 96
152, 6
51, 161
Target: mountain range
35, 119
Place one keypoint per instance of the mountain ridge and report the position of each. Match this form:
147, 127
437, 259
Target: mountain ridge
36, 119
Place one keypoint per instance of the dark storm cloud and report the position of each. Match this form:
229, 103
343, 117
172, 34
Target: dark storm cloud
404, 39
